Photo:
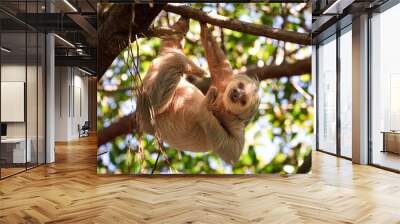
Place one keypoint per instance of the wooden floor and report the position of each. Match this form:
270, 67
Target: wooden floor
69, 191
387, 159
10, 171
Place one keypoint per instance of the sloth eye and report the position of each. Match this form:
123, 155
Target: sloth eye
241, 85
243, 102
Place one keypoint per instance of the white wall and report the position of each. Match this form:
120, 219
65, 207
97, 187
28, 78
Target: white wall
61, 103
33, 126
71, 102
80, 110
12, 73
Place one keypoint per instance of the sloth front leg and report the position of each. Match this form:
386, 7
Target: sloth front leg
161, 87
228, 144
218, 64
193, 69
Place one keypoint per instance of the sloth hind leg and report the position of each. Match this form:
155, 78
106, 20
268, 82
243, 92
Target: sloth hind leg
156, 98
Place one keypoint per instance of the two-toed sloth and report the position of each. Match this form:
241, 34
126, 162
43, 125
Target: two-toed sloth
186, 119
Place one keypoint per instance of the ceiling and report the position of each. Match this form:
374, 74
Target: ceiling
330, 15
74, 22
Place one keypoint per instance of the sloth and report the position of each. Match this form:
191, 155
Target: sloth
181, 114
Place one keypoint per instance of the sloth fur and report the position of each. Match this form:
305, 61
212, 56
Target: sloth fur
184, 117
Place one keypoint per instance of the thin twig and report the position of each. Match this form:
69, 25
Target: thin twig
155, 164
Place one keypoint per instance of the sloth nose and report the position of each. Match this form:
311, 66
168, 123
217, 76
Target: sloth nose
235, 94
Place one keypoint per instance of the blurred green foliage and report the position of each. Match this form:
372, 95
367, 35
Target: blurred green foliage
279, 136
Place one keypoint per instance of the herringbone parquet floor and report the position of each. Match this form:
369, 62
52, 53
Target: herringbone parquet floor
69, 191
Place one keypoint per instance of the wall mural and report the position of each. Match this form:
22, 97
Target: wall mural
204, 89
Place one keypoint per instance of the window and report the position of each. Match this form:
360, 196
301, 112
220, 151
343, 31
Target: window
346, 92
22, 78
327, 96
385, 89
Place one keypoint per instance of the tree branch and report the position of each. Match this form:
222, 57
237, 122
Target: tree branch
113, 33
114, 91
277, 71
241, 26
161, 32
125, 124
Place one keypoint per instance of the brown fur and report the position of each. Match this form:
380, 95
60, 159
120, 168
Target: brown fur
184, 117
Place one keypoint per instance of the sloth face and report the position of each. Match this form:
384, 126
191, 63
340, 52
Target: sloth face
241, 97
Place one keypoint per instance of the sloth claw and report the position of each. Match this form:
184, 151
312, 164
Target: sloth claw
212, 95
